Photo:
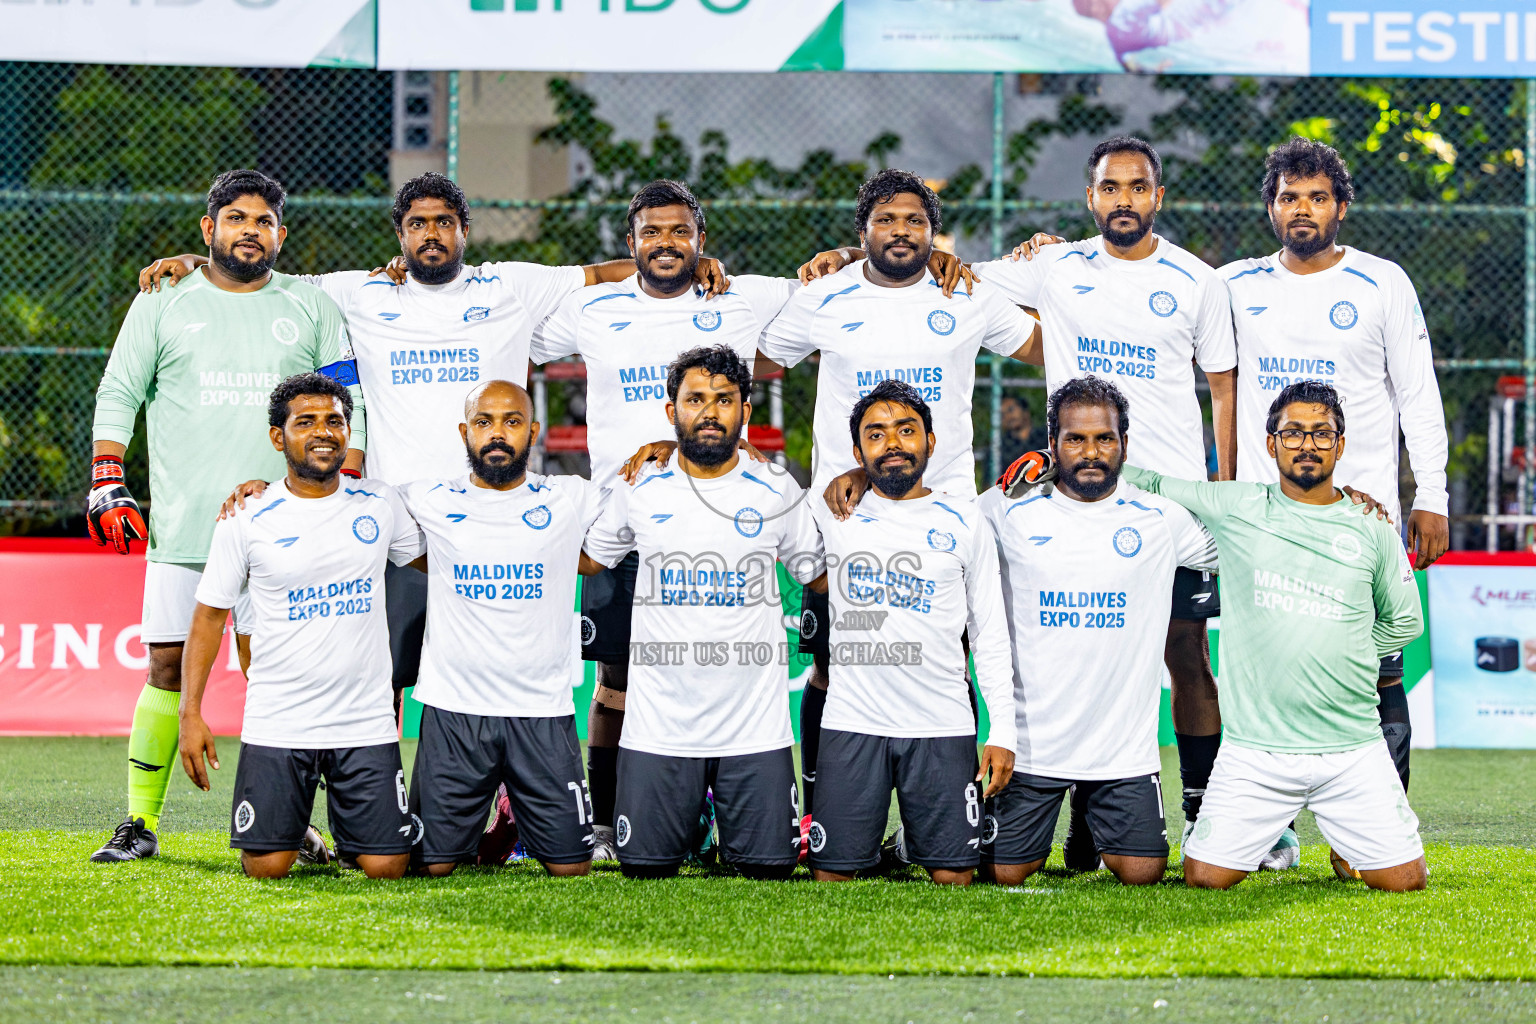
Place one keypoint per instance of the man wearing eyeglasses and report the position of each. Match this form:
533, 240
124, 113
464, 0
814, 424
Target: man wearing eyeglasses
1315, 594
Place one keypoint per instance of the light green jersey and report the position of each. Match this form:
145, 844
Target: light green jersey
205, 361
1312, 597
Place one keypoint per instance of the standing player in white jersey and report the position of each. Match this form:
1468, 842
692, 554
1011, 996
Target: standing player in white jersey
879, 318
914, 568
312, 553
1316, 310
423, 338
1086, 574
707, 704
1130, 306
503, 548
628, 332
201, 362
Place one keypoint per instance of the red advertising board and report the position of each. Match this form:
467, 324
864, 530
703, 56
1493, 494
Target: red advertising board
70, 657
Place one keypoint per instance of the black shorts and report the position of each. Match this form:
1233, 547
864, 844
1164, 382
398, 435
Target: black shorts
1126, 816
660, 797
815, 625
936, 789
1391, 666
459, 763
607, 602
405, 609
364, 795
1195, 595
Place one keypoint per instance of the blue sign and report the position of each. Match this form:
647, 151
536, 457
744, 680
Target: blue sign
1424, 38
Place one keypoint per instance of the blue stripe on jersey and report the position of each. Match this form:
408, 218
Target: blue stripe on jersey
845, 291
658, 476
366, 494
952, 512
1352, 270
1255, 270
1079, 252
1021, 504
382, 280
1137, 504
748, 476
1175, 266
958, 294
610, 295
269, 508
477, 279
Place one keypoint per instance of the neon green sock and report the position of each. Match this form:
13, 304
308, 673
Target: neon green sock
152, 753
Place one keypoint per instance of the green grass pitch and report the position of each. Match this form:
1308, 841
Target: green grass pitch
188, 937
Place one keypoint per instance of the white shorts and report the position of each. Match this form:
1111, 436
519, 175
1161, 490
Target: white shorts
1356, 797
170, 595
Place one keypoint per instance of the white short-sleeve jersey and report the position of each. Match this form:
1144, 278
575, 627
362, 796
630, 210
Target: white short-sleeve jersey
501, 627
708, 661
1086, 586
1357, 326
627, 339
867, 334
421, 348
904, 580
320, 671
1142, 324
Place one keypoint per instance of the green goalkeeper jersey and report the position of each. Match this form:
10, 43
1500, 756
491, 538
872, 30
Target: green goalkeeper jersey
205, 361
1312, 597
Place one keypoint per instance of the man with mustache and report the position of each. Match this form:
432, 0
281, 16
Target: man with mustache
503, 548
423, 339
873, 315
1317, 594
706, 707
914, 568
1086, 572
311, 554
1317, 309
1130, 306
201, 361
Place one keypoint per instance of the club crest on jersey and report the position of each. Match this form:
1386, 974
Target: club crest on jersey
1127, 541
1343, 315
621, 829
537, 517
418, 829
245, 816
940, 322
588, 631
365, 529
941, 541
285, 330
817, 834
989, 830
1346, 547
708, 320
808, 624
749, 522
1163, 303
474, 313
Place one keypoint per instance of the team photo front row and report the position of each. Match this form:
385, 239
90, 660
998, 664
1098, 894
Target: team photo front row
1055, 585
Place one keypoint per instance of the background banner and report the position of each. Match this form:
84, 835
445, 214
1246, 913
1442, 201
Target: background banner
70, 657
597, 35
237, 33
1424, 38
1484, 647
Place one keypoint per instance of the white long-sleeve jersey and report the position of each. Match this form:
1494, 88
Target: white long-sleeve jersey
1357, 326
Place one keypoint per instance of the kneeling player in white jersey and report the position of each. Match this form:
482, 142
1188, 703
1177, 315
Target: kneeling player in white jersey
707, 705
318, 705
915, 569
503, 548
1318, 593
1321, 311
1086, 574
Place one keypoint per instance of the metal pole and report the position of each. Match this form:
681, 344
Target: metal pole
1527, 500
1495, 465
453, 125
995, 453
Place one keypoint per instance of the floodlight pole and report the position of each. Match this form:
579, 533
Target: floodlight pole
452, 167
995, 452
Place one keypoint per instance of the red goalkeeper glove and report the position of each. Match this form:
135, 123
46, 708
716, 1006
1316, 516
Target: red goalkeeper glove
111, 514
1026, 471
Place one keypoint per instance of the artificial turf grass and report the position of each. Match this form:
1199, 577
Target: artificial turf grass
192, 906
241, 996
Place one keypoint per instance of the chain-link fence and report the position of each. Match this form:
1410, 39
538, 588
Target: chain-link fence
102, 168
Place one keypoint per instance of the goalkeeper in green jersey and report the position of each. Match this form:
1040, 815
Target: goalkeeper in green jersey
1313, 596
202, 359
